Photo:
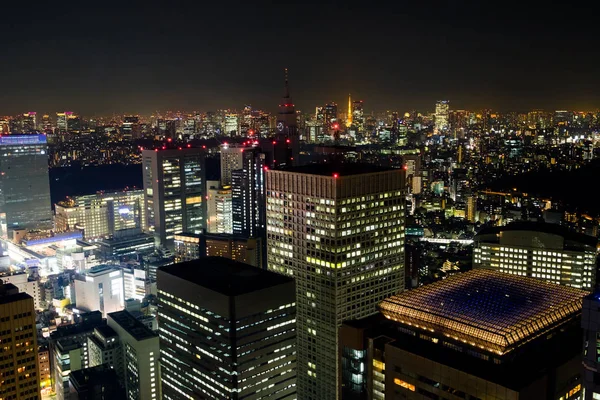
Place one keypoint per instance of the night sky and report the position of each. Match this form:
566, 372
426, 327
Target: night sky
102, 57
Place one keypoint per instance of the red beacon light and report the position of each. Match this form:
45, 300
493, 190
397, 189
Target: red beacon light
169, 140
266, 168
203, 146
287, 140
189, 145
274, 142
336, 175
155, 149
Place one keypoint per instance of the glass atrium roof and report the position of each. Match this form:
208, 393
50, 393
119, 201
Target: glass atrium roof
486, 309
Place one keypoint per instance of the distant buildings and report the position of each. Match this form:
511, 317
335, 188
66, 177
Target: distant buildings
442, 113
543, 251
339, 231
476, 335
19, 369
174, 190
227, 330
24, 183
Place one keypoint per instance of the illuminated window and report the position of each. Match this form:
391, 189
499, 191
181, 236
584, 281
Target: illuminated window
405, 385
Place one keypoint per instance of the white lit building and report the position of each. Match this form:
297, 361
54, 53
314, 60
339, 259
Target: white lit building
100, 289
544, 251
232, 158
442, 112
219, 211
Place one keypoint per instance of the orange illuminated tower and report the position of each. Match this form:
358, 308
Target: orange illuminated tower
349, 118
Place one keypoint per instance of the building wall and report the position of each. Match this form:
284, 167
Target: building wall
103, 292
19, 358
342, 239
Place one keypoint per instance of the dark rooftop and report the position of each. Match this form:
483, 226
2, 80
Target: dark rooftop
342, 169
134, 327
106, 331
14, 297
228, 277
553, 229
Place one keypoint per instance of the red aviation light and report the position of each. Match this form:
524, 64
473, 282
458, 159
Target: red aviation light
336, 175
169, 140
189, 145
288, 141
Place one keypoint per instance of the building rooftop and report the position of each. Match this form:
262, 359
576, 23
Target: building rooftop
341, 169
129, 323
553, 229
225, 276
487, 309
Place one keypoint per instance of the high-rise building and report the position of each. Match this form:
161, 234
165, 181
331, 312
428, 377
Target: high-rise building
104, 348
102, 214
358, 115
219, 210
287, 125
339, 231
330, 113
248, 197
471, 208
475, 335
100, 289
174, 190
590, 322
140, 355
442, 113
228, 330
131, 127
231, 159
19, 369
24, 183
188, 246
231, 124
547, 252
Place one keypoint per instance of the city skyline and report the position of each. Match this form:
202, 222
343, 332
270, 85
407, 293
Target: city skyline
156, 56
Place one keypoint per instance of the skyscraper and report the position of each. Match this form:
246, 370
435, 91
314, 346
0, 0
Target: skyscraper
19, 369
231, 159
358, 115
24, 183
339, 231
228, 331
248, 201
349, 115
286, 118
174, 190
442, 112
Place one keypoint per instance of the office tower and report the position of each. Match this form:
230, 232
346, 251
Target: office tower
228, 330
339, 231
100, 289
590, 322
140, 356
471, 208
24, 183
62, 121
543, 251
358, 115
219, 210
242, 249
19, 369
102, 214
96, 383
231, 159
27, 122
44, 365
475, 335
248, 197
135, 283
442, 110
174, 189
46, 124
330, 113
231, 124
131, 127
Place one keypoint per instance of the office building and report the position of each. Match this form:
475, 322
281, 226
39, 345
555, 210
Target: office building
476, 335
227, 330
219, 210
100, 289
339, 231
548, 252
442, 113
24, 183
246, 250
19, 369
24, 284
102, 214
590, 322
139, 349
188, 247
104, 348
174, 190
44, 365
231, 159
95, 383
136, 282
358, 115
248, 195
330, 114
69, 350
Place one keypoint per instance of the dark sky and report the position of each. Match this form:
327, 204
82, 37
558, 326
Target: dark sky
100, 57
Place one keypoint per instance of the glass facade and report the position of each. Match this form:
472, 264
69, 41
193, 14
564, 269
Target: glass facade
24, 183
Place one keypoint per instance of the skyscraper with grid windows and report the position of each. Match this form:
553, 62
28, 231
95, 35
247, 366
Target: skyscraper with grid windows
339, 231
